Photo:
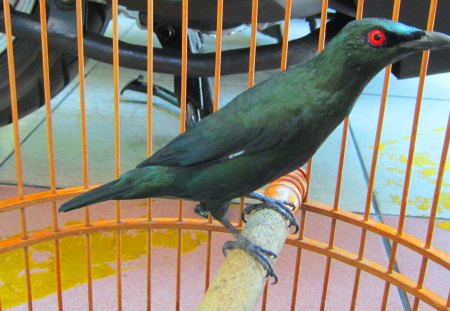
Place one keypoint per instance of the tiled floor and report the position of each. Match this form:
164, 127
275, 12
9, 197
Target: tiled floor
390, 176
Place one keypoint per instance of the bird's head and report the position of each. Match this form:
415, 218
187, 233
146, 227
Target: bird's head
372, 43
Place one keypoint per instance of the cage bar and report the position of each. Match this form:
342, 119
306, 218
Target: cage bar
216, 103
320, 47
373, 168
13, 95
84, 143
433, 213
183, 102
17, 148
50, 144
252, 56
149, 143
409, 163
26, 239
285, 44
115, 47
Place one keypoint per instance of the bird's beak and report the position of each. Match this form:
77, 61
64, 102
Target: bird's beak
429, 40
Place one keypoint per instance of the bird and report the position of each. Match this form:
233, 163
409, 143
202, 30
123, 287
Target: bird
268, 130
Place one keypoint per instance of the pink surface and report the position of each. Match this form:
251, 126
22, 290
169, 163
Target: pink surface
437, 278
312, 268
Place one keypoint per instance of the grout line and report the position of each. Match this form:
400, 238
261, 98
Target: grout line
378, 216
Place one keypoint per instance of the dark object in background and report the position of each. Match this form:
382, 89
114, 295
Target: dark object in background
415, 13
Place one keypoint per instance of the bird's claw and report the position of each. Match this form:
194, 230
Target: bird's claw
276, 205
260, 254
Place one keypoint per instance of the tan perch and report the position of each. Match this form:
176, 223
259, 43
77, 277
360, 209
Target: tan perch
240, 281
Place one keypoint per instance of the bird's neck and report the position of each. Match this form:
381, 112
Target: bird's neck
338, 73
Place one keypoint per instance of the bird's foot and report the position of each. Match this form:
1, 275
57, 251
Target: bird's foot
260, 254
200, 209
274, 204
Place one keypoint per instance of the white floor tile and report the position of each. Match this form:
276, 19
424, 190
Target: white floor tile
436, 86
394, 152
324, 174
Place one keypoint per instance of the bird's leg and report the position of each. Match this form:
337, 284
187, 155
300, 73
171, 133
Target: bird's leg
257, 252
274, 204
201, 210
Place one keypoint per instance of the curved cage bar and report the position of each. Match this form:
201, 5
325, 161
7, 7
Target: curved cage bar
171, 254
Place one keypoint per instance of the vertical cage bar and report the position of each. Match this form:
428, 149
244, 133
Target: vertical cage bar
149, 78
81, 86
50, 142
320, 47
208, 258
217, 67
359, 9
337, 192
84, 143
89, 272
119, 269
218, 60
335, 208
48, 109
265, 296
149, 142
115, 42
252, 56
251, 74
241, 209
17, 148
423, 268
184, 51
323, 25
412, 145
13, 96
58, 275
183, 93
373, 168
371, 182
298, 261
434, 206
285, 44
283, 65
26, 260
423, 72
149, 269
437, 190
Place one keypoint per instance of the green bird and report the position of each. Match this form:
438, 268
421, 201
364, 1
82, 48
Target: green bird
268, 130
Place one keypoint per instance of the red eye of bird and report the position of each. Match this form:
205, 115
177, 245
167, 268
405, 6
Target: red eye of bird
376, 37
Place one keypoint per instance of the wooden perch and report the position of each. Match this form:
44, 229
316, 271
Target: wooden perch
241, 279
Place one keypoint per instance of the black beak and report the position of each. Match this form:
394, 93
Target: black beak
428, 40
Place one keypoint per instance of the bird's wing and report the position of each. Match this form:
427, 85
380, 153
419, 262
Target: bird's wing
211, 143
248, 125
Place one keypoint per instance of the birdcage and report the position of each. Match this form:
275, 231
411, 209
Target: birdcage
157, 254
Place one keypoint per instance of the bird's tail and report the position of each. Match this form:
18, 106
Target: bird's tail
109, 191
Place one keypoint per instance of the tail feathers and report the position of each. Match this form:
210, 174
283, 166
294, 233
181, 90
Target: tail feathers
108, 191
